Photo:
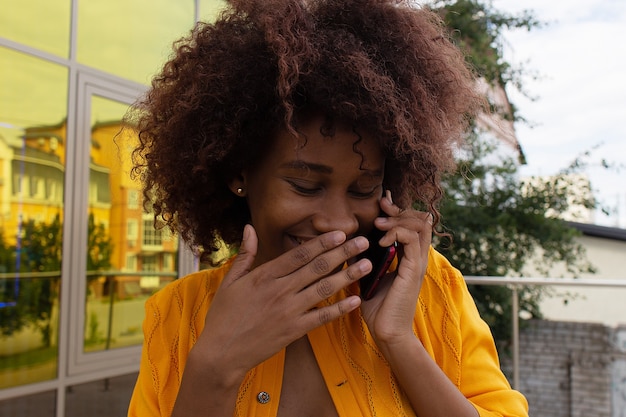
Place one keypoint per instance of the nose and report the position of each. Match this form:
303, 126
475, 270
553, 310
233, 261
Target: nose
336, 214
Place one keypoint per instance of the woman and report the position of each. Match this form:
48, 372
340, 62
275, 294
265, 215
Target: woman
290, 129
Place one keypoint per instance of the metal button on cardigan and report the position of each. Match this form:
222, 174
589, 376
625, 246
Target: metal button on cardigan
263, 397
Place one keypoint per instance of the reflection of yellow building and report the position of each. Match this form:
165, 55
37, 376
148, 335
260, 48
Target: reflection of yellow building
64, 68
33, 172
35, 166
137, 245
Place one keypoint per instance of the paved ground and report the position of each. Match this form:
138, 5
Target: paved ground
105, 398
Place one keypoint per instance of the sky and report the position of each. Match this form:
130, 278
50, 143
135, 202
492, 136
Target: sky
578, 101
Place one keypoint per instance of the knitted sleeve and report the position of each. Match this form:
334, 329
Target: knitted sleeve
482, 381
174, 319
145, 398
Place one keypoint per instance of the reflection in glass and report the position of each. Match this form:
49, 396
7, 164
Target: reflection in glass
41, 24
42, 404
107, 397
32, 169
131, 38
127, 258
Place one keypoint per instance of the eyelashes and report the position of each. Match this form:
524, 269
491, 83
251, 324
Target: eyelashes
311, 189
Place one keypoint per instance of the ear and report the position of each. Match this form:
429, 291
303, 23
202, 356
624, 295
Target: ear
238, 185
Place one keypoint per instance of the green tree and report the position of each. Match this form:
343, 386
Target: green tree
99, 246
41, 245
499, 222
99, 252
477, 29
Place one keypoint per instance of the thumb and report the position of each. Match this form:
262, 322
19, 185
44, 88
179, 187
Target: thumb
247, 252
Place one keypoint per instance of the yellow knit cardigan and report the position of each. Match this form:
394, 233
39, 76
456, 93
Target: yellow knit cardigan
357, 376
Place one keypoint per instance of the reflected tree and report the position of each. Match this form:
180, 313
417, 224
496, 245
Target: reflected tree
27, 299
100, 246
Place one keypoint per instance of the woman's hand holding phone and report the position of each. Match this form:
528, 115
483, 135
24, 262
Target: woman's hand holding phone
389, 313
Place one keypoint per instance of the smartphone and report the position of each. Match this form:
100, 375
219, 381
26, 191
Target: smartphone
381, 258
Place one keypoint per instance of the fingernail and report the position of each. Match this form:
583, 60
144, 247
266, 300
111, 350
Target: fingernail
388, 195
364, 266
361, 242
354, 301
338, 237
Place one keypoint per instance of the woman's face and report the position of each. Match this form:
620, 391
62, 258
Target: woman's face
314, 184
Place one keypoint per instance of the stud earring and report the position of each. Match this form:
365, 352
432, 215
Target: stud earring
239, 190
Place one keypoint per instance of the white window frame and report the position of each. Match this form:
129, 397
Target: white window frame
72, 369
80, 362
116, 361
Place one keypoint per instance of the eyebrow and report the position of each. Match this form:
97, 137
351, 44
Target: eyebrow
321, 168
308, 166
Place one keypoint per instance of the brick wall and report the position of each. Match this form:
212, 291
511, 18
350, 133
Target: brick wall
568, 369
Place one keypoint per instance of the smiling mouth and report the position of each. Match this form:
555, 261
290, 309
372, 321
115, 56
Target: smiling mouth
297, 240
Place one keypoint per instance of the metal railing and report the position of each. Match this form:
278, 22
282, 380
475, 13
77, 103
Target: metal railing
515, 283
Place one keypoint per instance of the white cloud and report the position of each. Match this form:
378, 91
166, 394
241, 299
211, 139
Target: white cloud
580, 58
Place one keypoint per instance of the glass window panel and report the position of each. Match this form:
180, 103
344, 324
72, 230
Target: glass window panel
131, 38
33, 93
127, 260
103, 398
33, 99
42, 404
42, 24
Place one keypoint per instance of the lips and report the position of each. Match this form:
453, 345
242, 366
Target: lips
298, 240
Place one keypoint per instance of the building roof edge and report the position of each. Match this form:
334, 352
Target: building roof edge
614, 233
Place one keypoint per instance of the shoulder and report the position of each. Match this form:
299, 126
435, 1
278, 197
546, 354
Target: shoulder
444, 293
188, 292
445, 299
175, 314
441, 273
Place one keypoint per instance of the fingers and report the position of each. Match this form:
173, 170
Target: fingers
389, 207
307, 252
327, 314
325, 287
318, 257
412, 229
404, 226
247, 253
427, 237
316, 279
310, 272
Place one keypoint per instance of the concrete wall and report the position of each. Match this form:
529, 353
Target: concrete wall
591, 304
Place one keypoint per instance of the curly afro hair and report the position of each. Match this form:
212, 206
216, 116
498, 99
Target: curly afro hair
386, 66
